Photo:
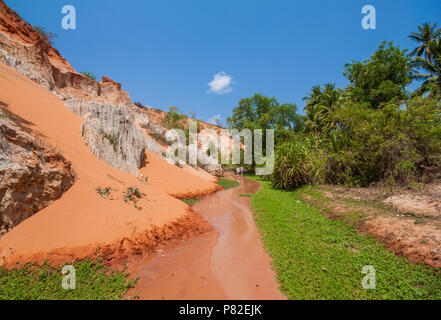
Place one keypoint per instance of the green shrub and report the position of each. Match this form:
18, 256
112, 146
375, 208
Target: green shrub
393, 143
48, 36
104, 192
297, 162
88, 74
132, 194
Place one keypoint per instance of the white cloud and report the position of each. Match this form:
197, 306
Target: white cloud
215, 119
221, 83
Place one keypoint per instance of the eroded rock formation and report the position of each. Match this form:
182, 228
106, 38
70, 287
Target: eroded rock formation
32, 175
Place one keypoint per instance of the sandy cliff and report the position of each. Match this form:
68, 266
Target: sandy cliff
98, 139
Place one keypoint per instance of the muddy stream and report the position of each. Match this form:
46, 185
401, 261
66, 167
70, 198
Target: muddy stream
227, 263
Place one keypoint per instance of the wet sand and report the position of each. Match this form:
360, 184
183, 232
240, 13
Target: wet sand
228, 263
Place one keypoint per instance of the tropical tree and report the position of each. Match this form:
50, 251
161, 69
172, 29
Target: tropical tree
382, 78
262, 112
313, 120
432, 79
426, 34
313, 97
320, 108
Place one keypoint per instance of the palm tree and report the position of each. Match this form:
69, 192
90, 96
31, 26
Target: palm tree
320, 108
313, 120
427, 33
313, 98
432, 79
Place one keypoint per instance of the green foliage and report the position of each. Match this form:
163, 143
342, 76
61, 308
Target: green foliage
227, 183
132, 194
261, 112
389, 144
382, 78
104, 192
432, 67
113, 140
48, 36
246, 195
319, 258
297, 162
93, 282
320, 108
370, 131
426, 34
174, 119
89, 75
190, 201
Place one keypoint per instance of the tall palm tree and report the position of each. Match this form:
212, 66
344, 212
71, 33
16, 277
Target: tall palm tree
432, 79
313, 120
313, 98
320, 107
427, 33
329, 103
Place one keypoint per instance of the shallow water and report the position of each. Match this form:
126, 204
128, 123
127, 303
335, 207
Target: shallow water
228, 263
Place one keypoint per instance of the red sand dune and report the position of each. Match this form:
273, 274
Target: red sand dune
82, 221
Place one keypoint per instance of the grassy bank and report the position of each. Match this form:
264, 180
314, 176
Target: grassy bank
93, 282
319, 258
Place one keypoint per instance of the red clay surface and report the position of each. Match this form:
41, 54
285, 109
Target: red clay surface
228, 264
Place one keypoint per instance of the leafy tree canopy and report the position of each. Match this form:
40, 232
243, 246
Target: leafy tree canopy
382, 78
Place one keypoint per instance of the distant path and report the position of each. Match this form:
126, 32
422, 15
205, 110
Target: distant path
228, 264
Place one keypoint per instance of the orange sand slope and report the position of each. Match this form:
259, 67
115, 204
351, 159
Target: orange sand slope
82, 221
177, 182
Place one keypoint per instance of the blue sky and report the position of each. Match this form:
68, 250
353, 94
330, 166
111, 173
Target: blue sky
167, 52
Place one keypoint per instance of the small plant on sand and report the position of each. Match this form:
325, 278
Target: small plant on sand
246, 195
104, 192
144, 179
89, 75
133, 194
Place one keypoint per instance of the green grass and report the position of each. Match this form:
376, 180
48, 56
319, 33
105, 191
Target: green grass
93, 281
191, 201
246, 195
319, 258
227, 183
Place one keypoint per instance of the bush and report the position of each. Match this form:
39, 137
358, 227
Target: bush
297, 162
48, 36
394, 143
89, 75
